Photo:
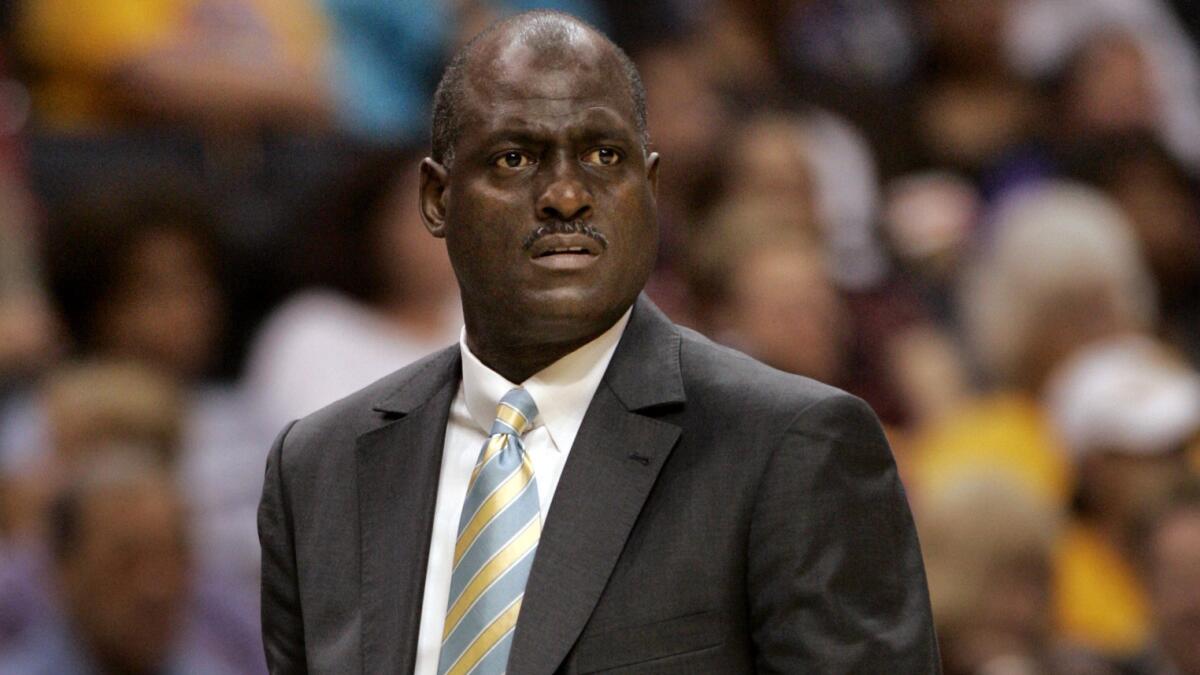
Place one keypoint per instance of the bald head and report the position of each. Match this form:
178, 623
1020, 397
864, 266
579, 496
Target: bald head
543, 40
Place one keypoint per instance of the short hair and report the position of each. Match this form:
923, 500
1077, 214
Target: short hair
546, 30
120, 401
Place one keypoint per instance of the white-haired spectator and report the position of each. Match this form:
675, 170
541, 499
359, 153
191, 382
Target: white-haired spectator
1062, 269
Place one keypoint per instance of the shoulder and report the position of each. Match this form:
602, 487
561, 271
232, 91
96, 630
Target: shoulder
718, 375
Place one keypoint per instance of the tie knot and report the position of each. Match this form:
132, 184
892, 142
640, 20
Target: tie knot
515, 414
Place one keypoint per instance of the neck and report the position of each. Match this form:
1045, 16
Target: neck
519, 351
517, 363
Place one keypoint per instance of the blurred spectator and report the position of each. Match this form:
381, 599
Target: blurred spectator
1163, 206
777, 303
134, 271
1127, 410
988, 547
775, 164
972, 112
79, 407
1171, 553
930, 220
396, 300
1117, 49
823, 168
776, 120
27, 329
857, 58
85, 410
121, 574
1062, 271
219, 65
1107, 89
812, 176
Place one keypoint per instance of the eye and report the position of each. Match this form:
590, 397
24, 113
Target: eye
513, 159
602, 156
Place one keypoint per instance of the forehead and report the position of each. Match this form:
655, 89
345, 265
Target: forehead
579, 82
136, 509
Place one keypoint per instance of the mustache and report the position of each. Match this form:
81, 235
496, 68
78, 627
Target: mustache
565, 227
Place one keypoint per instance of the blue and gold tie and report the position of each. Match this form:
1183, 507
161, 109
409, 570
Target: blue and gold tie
497, 537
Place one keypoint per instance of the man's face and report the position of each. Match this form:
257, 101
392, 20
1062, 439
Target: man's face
126, 582
548, 205
165, 307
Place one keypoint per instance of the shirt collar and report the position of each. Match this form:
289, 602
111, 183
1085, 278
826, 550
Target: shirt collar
562, 391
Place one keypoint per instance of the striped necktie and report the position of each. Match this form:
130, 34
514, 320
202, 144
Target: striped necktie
497, 537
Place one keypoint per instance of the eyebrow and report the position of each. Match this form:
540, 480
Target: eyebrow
533, 133
521, 136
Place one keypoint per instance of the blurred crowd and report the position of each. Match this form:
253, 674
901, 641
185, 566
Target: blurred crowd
982, 216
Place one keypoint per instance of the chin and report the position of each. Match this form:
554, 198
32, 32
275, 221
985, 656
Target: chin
571, 313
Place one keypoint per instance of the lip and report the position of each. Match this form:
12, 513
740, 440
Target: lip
565, 251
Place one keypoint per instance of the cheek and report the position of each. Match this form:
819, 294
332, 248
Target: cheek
481, 224
632, 217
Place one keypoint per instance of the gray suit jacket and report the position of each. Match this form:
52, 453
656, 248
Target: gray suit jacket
714, 516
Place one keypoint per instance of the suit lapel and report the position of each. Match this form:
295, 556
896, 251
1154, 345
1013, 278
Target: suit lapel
399, 464
611, 469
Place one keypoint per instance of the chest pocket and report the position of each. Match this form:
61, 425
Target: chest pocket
620, 647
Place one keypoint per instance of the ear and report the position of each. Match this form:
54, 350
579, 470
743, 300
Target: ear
433, 190
652, 172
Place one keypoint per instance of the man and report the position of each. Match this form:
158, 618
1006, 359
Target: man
709, 514
121, 574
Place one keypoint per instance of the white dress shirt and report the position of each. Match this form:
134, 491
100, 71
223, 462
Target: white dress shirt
562, 392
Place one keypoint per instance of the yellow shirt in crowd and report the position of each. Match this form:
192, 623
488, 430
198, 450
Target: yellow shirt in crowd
1005, 435
1099, 603
76, 47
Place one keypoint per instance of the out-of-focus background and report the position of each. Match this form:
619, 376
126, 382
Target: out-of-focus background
980, 215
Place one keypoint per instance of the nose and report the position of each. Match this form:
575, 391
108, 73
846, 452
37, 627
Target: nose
565, 197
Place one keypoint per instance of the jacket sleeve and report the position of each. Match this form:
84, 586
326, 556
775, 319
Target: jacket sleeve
835, 576
282, 625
